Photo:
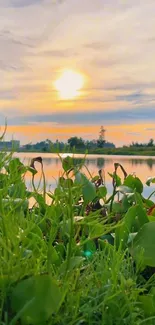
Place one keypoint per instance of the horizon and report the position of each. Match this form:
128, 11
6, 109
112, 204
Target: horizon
65, 142
103, 49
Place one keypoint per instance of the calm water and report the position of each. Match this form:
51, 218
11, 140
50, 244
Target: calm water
143, 167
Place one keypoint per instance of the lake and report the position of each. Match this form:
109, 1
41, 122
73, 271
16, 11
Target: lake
142, 167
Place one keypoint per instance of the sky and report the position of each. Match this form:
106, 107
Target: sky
110, 42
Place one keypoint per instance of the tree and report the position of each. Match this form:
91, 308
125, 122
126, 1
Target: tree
151, 143
76, 142
101, 140
28, 146
137, 145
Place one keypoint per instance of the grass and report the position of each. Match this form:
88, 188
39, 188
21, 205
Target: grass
85, 258
124, 151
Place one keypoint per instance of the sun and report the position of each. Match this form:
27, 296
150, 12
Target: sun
69, 84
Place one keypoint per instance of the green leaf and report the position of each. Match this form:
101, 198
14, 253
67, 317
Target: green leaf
131, 236
122, 233
138, 199
90, 246
117, 207
151, 218
95, 178
102, 191
116, 178
15, 166
65, 183
60, 248
67, 163
134, 183
148, 203
40, 200
33, 239
131, 197
3, 180
124, 189
33, 171
89, 249
89, 192
125, 204
108, 238
106, 247
135, 213
17, 190
42, 296
15, 205
96, 230
144, 242
75, 262
53, 256
141, 217
150, 180
88, 188
148, 305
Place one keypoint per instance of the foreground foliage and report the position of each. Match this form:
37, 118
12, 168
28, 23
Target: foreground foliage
85, 257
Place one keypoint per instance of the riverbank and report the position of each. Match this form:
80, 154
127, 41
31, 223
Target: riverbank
107, 151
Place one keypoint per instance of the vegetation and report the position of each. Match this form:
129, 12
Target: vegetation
73, 144
96, 146
84, 257
79, 145
90, 148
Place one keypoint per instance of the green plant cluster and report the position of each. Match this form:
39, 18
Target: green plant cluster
85, 258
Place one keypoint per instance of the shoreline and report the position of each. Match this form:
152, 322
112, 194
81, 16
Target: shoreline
105, 153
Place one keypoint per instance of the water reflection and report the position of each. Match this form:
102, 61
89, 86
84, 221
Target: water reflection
100, 162
150, 162
143, 167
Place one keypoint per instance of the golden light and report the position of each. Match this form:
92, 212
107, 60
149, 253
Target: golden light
69, 84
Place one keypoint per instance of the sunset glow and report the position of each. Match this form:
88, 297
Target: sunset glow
69, 84
85, 64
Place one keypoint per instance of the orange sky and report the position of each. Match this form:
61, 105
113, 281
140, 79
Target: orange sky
118, 134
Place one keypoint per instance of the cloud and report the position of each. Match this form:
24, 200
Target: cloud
149, 129
85, 118
131, 86
2, 120
134, 133
133, 97
98, 46
7, 94
106, 62
20, 3
13, 50
58, 53
111, 42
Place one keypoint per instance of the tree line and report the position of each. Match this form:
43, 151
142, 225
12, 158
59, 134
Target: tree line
73, 142
81, 145
149, 144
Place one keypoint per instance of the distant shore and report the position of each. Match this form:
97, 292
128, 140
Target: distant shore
106, 151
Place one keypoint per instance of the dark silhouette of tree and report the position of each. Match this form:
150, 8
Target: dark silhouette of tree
101, 140
76, 142
28, 146
151, 143
137, 145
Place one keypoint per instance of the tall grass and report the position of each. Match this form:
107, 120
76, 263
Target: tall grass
64, 263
